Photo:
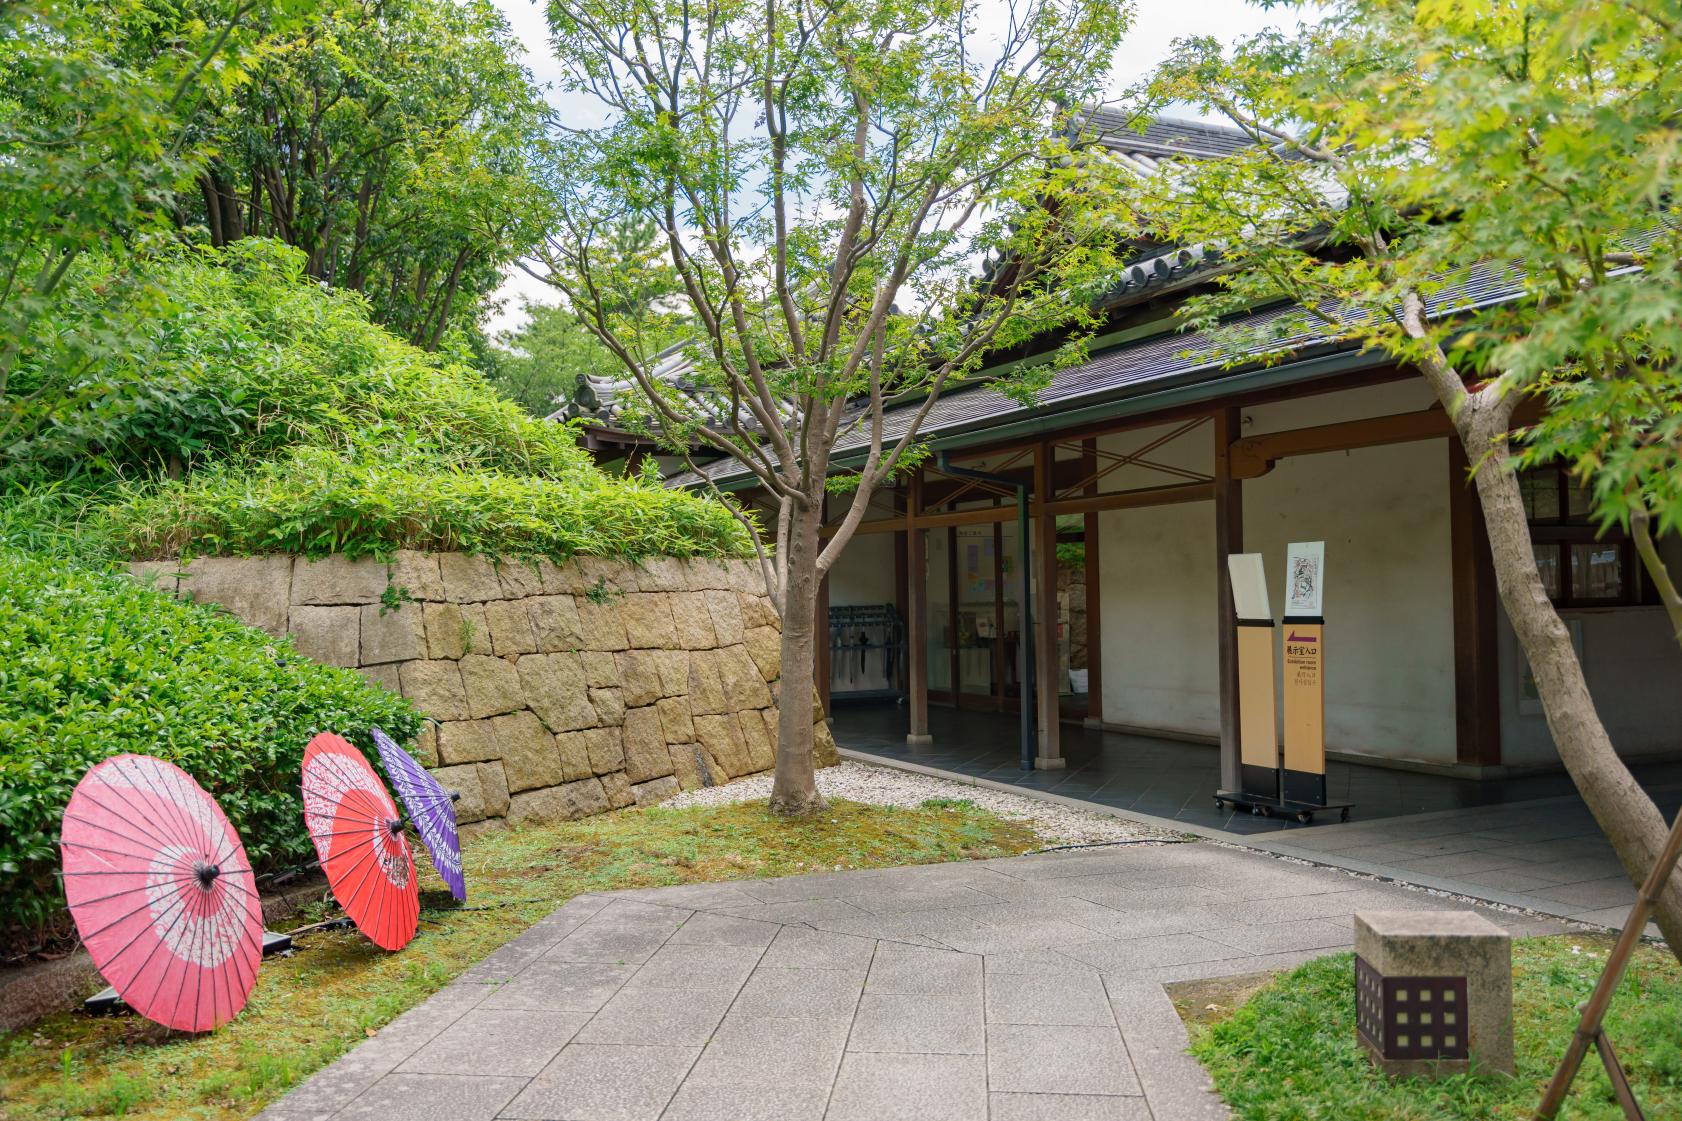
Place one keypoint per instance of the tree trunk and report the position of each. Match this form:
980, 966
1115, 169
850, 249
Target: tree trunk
1628, 817
794, 788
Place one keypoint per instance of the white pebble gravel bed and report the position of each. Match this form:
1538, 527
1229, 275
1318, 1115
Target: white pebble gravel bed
889, 786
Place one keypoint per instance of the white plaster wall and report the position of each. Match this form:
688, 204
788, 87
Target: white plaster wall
1157, 581
1383, 513
1634, 671
865, 572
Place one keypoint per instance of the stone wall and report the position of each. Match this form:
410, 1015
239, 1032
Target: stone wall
555, 691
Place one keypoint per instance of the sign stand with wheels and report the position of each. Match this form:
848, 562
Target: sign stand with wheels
1258, 740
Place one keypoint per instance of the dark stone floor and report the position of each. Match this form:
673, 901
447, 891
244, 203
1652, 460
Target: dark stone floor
1168, 778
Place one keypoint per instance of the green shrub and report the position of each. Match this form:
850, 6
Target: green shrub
314, 502
243, 356
92, 665
260, 411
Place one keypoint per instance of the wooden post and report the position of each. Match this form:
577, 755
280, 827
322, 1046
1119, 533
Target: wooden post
1477, 704
998, 614
916, 618
901, 578
1229, 539
1094, 617
1046, 675
953, 651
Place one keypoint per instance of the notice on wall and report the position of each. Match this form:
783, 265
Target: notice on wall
1305, 574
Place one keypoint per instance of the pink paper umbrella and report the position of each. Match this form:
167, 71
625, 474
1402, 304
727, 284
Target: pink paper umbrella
161, 892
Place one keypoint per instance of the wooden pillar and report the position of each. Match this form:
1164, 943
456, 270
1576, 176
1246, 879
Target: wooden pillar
916, 618
1050, 754
999, 674
901, 578
1477, 704
1229, 539
954, 652
1094, 614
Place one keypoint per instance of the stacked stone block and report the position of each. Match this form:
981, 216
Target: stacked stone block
554, 691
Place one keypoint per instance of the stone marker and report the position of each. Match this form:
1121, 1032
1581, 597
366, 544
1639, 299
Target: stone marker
1433, 992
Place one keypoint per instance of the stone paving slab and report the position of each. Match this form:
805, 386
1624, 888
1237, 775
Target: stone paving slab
1026, 989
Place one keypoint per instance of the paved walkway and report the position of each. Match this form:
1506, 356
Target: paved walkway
1025, 989
1546, 855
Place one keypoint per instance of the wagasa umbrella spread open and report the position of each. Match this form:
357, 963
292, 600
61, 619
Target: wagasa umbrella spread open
161, 891
431, 808
359, 837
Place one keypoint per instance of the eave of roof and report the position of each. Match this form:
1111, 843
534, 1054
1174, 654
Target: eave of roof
1132, 379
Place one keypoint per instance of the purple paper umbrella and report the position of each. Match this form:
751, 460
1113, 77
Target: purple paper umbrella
431, 808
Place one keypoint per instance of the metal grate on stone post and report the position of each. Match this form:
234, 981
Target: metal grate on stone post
1433, 992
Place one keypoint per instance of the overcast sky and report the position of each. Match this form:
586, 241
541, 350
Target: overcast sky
1156, 24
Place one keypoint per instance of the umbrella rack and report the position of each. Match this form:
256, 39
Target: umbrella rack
106, 1000
866, 651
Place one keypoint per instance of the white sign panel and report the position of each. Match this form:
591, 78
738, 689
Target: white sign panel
1305, 577
1249, 586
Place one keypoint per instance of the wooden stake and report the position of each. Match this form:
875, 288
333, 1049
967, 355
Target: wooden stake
1591, 1029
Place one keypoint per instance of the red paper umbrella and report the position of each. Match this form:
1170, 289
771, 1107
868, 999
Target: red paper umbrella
359, 837
162, 893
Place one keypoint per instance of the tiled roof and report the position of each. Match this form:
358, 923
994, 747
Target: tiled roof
1130, 370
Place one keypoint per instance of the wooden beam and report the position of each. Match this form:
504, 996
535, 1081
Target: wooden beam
1254, 456
1050, 753
916, 619
1377, 376
1229, 539
1119, 500
1135, 499
1477, 704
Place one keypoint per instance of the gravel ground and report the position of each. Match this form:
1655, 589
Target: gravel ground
887, 786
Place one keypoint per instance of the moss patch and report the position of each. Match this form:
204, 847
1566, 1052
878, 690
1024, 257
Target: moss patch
338, 988
1290, 1054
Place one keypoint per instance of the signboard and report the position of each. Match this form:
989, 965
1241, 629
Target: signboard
1258, 737
1249, 586
1305, 568
1305, 673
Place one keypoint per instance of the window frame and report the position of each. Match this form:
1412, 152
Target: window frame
1564, 530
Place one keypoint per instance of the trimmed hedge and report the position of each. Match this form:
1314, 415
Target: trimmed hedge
313, 502
95, 664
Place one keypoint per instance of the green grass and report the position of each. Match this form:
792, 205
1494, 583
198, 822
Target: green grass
1290, 1054
338, 989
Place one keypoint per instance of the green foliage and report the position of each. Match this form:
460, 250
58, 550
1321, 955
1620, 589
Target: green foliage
395, 143
1071, 554
1290, 1052
248, 358
96, 107
1530, 144
262, 412
815, 175
92, 665
599, 593
314, 502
